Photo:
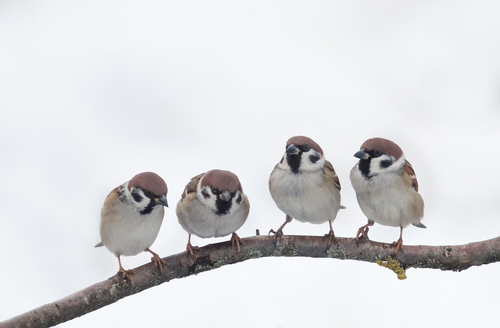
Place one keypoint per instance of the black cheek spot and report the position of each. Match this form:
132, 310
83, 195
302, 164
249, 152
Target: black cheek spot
314, 158
385, 164
281, 162
205, 194
239, 199
136, 197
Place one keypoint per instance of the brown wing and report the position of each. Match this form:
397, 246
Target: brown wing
330, 174
411, 173
191, 186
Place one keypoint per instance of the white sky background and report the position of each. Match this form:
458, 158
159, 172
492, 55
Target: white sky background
92, 93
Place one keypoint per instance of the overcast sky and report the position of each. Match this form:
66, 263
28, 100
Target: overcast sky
92, 93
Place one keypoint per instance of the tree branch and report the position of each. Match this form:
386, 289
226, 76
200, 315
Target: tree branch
456, 258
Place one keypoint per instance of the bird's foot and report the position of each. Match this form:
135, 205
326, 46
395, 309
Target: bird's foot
399, 245
331, 238
125, 273
190, 248
362, 232
235, 239
277, 234
157, 260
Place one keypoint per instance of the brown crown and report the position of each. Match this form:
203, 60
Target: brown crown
222, 180
149, 181
301, 140
383, 145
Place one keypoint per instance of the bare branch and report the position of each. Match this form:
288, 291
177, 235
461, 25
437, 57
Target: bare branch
456, 258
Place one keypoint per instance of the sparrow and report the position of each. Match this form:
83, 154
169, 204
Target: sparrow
131, 217
213, 205
304, 185
386, 187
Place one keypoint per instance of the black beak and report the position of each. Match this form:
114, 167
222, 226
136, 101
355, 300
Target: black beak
362, 155
292, 150
161, 201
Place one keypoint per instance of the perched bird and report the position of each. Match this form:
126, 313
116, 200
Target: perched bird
386, 187
213, 205
304, 185
132, 215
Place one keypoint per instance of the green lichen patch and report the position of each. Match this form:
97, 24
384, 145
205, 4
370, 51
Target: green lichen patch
202, 268
394, 266
337, 253
285, 251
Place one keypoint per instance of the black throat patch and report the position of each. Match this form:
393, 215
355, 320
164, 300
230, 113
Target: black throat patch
294, 162
364, 167
223, 207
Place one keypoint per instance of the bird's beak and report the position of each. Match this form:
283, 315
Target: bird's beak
225, 196
292, 150
162, 201
362, 155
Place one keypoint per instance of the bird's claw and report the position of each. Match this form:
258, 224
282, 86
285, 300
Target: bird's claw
125, 273
331, 237
362, 232
158, 262
399, 246
277, 234
190, 248
235, 239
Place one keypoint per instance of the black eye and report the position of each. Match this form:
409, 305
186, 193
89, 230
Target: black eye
305, 148
385, 163
377, 152
214, 190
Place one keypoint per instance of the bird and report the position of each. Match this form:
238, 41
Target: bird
304, 185
386, 188
213, 205
131, 217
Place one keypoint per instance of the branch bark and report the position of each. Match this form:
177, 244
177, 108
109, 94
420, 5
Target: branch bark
456, 258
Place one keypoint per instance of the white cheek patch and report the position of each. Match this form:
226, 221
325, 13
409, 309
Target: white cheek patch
144, 201
307, 165
210, 201
377, 168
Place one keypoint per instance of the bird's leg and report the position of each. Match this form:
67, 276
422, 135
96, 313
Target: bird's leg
122, 271
399, 243
363, 231
156, 259
190, 248
331, 235
279, 233
235, 239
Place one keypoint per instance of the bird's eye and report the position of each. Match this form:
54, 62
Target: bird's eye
214, 190
377, 152
306, 148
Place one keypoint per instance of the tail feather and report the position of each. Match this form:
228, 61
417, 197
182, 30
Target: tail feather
419, 225
99, 245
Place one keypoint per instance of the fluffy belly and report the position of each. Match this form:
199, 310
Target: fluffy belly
205, 224
132, 236
389, 208
300, 198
